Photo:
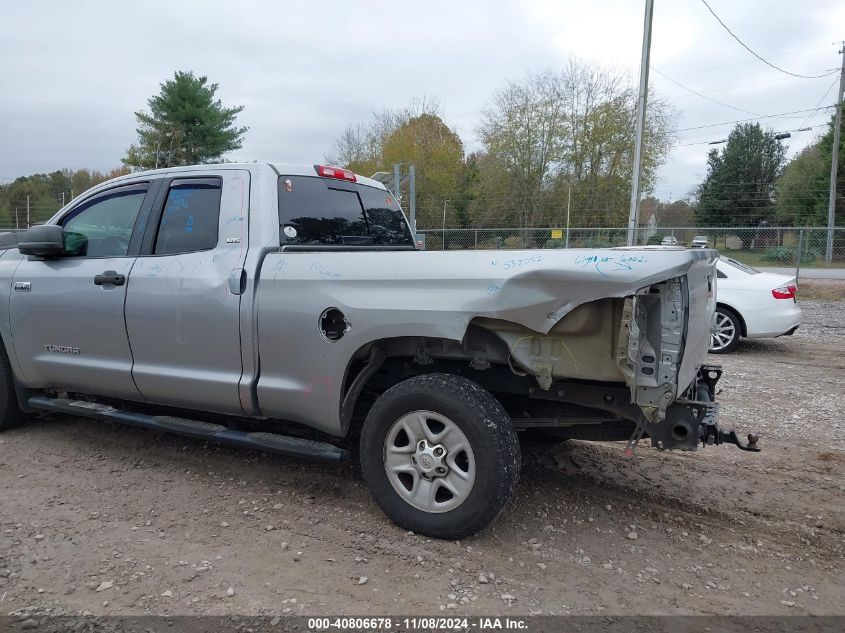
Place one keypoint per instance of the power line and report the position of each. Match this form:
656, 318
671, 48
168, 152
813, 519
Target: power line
751, 61
824, 96
742, 86
798, 129
687, 88
765, 61
765, 116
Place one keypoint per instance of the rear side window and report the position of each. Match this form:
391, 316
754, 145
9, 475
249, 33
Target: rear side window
190, 217
317, 211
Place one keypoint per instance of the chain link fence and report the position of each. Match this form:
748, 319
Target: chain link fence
18, 218
771, 246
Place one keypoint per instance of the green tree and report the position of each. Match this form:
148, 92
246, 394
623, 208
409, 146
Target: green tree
437, 153
186, 125
491, 201
33, 192
675, 214
803, 190
739, 187
44, 193
468, 182
414, 135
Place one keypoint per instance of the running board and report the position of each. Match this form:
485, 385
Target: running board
269, 442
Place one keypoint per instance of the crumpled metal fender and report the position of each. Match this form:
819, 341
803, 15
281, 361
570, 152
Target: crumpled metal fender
387, 294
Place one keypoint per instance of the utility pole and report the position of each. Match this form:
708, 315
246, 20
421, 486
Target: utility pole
633, 216
397, 193
568, 201
27, 212
834, 163
445, 202
412, 194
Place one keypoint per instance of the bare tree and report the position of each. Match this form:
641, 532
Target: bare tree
565, 133
526, 129
360, 146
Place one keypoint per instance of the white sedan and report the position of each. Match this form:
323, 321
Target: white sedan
752, 304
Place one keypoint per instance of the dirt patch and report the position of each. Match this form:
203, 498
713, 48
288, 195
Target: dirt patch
113, 520
822, 289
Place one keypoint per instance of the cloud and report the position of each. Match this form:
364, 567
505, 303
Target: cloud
74, 73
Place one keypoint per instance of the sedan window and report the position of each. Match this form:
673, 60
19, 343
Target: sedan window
740, 266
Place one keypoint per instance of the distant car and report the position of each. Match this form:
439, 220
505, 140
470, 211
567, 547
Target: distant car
669, 240
699, 241
751, 304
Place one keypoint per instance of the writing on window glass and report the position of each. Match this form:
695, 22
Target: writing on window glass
177, 200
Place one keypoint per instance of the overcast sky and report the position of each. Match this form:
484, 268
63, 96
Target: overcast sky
73, 73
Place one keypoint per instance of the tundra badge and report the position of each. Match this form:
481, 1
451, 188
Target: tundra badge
61, 349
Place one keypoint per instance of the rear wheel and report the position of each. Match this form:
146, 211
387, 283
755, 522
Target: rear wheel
10, 413
439, 455
725, 337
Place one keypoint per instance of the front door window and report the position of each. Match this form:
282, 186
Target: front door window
102, 227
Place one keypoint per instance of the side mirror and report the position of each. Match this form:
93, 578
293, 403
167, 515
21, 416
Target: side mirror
46, 240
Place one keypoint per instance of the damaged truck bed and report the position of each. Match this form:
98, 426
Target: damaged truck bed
255, 304
620, 331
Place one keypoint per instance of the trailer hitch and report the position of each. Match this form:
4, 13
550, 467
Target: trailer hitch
711, 434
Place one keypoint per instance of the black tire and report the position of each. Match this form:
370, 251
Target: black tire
487, 428
10, 412
723, 313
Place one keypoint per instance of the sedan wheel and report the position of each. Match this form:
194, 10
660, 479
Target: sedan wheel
725, 336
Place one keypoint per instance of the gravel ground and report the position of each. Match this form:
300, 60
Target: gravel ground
106, 519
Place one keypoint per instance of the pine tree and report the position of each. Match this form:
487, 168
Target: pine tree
739, 187
186, 125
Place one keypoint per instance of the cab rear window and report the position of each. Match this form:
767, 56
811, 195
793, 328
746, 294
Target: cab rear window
318, 211
384, 217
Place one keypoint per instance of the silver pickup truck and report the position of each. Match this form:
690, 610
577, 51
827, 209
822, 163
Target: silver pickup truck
264, 305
